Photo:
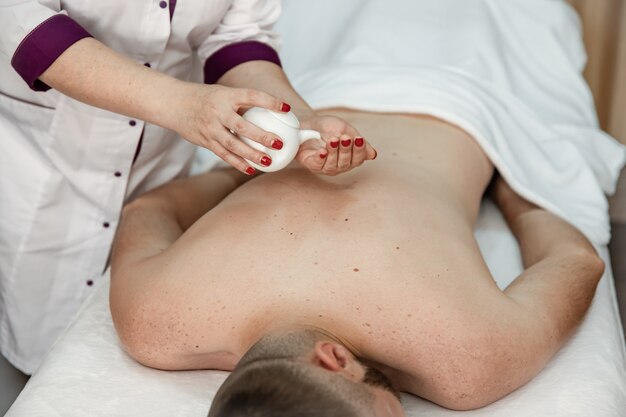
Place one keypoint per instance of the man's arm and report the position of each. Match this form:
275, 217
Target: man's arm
148, 227
151, 223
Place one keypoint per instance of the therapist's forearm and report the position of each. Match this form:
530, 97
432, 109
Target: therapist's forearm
270, 78
93, 73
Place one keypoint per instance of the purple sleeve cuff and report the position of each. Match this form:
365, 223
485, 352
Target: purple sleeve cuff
234, 54
43, 45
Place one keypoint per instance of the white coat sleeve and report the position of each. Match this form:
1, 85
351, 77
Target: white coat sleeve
33, 35
244, 34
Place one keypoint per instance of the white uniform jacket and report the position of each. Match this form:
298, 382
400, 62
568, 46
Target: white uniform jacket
67, 168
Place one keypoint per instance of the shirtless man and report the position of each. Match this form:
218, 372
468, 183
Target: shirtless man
326, 295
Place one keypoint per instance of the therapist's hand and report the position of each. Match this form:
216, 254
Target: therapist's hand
341, 149
209, 114
205, 115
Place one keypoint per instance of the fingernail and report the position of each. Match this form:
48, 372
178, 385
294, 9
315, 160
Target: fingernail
346, 143
277, 144
323, 156
250, 171
285, 107
375, 154
334, 144
358, 142
265, 161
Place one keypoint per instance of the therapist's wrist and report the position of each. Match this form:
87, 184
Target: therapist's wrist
174, 105
180, 104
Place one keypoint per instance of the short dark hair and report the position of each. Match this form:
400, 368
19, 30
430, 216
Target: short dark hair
279, 388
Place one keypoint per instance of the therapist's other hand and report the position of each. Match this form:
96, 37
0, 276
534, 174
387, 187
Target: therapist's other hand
341, 149
209, 115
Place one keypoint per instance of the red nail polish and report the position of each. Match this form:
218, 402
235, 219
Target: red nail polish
358, 142
334, 144
285, 107
323, 156
250, 171
265, 161
346, 143
277, 144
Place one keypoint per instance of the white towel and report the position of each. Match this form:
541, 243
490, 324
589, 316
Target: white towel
507, 72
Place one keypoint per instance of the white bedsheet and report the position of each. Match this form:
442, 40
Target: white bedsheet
88, 374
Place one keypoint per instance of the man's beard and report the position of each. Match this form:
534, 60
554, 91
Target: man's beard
376, 378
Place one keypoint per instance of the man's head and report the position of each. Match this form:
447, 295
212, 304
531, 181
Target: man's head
304, 374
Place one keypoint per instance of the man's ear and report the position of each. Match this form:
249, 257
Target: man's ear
332, 356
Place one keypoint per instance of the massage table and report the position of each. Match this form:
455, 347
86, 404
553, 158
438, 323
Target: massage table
87, 373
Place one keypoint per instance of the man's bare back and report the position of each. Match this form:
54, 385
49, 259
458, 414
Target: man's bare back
382, 259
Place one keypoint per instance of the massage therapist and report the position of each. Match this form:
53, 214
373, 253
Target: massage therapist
94, 100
